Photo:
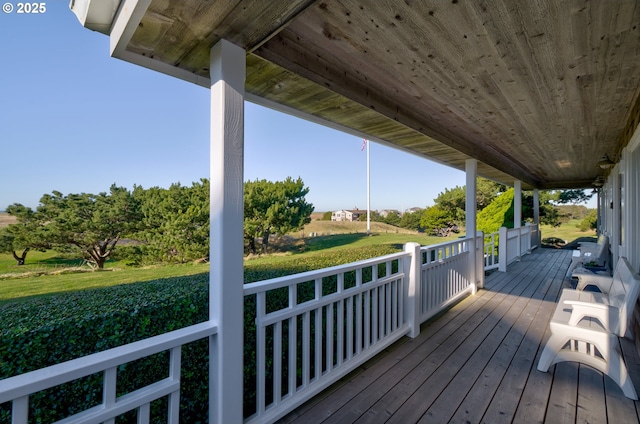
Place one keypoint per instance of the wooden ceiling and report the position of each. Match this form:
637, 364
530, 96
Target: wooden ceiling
536, 90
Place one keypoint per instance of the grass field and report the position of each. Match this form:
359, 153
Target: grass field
6, 219
336, 227
48, 273
568, 231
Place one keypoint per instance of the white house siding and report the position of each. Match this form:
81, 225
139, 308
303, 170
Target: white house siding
345, 215
629, 182
619, 206
340, 215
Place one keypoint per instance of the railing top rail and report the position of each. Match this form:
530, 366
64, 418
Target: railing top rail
479, 234
274, 283
514, 232
315, 304
443, 244
35, 381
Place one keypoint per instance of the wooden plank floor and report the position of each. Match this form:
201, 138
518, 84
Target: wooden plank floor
476, 363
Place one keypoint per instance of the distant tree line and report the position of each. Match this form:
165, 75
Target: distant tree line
448, 211
151, 225
446, 214
172, 225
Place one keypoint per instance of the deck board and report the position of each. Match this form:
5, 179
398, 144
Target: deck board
523, 394
591, 398
477, 363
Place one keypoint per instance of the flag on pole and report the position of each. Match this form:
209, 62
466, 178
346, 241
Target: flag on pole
364, 144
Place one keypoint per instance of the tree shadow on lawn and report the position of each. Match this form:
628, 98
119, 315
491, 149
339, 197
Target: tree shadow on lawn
288, 244
313, 244
35, 265
558, 243
59, 261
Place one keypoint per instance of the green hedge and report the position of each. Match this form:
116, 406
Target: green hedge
53, 329
498, 214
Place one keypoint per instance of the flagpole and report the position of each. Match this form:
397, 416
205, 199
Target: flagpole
368, 189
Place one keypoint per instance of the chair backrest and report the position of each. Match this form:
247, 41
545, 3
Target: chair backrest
603, 244
624, 292
602, 254
602, 238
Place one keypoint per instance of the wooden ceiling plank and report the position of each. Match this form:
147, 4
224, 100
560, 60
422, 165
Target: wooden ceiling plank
290, 45
527, 87
288, 53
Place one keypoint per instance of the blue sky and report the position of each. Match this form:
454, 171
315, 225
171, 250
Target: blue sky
73, 119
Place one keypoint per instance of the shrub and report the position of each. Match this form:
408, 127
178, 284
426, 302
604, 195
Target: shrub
49, 330
498, 214
590, 222
435, 218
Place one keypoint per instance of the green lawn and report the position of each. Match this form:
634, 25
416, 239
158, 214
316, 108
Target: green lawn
49, 273
25, 287
36, 262
568, 231
346, 241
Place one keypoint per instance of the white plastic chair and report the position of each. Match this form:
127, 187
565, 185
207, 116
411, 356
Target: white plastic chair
590, 252
585, 327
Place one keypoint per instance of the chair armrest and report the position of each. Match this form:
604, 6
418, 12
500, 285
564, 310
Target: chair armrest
589, 252
581, 309
602, 282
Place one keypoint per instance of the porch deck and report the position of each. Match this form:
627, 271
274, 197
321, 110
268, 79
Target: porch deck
477, 363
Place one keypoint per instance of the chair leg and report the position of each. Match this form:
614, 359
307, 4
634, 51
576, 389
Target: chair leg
574, 264
551, 349
618, 373
610, 364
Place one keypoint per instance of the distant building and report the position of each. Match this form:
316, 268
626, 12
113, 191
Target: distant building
347, 215
385, 212
413, 210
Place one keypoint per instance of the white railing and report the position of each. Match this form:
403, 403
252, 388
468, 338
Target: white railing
515, 242
525, 240
18, 389
328, 323
311, 329
445, 276
480, 265
491, 251
534, 237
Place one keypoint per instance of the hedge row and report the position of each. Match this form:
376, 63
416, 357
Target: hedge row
49, 330
498, 214
54, 329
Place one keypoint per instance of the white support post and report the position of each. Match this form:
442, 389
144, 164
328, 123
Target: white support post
480, 258
536, 206
502, 249
615, 238
600, 214
227, 69
517, 212
536, 215
517, 204
471, 208
412, 271
605, 200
